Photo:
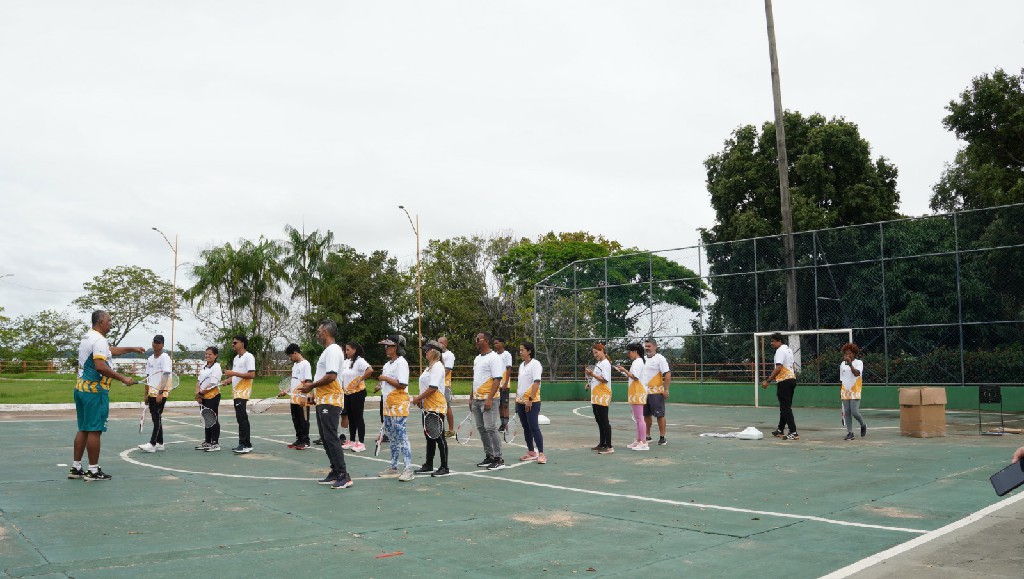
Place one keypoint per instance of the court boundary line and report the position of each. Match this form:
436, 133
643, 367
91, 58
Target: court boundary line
703, 505
928, 537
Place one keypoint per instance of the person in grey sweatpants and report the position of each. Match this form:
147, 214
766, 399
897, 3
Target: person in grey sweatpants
850, 374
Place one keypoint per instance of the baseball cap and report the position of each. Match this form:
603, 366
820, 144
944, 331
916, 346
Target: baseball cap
393, 340
158, 339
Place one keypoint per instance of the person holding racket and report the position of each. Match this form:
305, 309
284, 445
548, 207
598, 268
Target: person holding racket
637, 394
394, 381
329, 400
242, 373
600, 386
432, 402
354, 373
488, 370
158, 365
301, 372
92, 395
448, 359
528, 402
208, 396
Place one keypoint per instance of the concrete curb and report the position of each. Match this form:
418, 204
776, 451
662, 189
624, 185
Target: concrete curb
129, 405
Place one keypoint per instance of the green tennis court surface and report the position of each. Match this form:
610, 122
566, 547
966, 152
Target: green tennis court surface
698, 506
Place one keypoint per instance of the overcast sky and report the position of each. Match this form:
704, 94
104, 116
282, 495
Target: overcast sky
219, 120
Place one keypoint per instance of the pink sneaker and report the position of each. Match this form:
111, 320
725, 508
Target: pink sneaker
358, 447
633, 444
541, 459
348, 445
528, 456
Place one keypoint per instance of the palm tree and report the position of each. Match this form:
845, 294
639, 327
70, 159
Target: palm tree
305, 261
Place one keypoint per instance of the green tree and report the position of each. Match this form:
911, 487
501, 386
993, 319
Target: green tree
43, 336
306, 261
133, 295
368, 296
455, 293
834, 182
989, 169
242, 290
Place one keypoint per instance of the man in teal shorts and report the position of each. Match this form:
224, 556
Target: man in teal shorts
92, 395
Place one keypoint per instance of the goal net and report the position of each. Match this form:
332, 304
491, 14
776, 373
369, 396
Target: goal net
815, 355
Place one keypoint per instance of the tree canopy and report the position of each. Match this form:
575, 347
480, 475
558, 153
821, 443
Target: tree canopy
989, 169
133, 295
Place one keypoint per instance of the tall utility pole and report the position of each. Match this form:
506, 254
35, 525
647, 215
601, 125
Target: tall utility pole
792, 311
419, 286
174, 284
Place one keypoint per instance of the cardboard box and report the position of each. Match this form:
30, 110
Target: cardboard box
923, 412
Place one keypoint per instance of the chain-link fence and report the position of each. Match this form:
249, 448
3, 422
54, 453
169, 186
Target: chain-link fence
932, 300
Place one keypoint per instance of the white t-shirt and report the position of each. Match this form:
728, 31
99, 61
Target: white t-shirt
330, 361
242, 364
301, 371
851, 384
784, 356
637, 370
432, 376
397, 369
209, 377
155, 367
396, 402
529, 372
448, 359
604, 370
654, 371
486, 367
352, 370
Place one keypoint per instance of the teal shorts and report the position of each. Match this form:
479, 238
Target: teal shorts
92, 410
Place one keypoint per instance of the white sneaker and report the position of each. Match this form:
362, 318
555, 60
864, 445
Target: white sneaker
641, 447
147, 447
160, 447
408, 475
389, 473
632, 444
348, 445
358, 447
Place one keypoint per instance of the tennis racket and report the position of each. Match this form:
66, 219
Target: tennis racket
142, 421
208, 417
433, 424
164, 381
511, 429
464, 433
380, 441
263, 404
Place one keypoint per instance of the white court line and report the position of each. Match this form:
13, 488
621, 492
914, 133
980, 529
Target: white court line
918, 541
124, 456
703, 505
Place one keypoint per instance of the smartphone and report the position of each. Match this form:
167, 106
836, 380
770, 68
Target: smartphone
1008, 479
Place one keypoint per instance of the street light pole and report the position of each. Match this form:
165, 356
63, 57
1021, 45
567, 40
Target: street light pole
174, 284
419, 286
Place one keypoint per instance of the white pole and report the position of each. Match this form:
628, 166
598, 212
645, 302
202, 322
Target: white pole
757, 371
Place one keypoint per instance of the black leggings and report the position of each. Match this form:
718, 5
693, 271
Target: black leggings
156, 411
354, 404
604, 426
213, 433
442, 446
242, 416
